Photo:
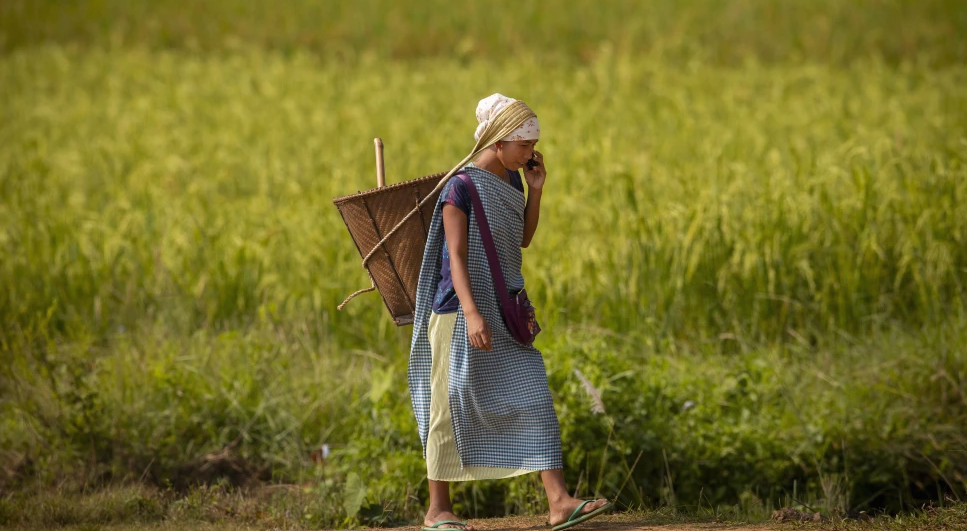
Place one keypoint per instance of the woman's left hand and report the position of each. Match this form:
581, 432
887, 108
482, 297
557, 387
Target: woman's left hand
535, 178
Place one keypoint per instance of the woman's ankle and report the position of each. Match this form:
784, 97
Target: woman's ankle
439, 509
558, 499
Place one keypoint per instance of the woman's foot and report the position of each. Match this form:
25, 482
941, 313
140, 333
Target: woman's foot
561, 511
434, 516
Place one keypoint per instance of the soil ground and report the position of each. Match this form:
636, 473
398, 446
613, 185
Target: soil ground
619, 522
616, 522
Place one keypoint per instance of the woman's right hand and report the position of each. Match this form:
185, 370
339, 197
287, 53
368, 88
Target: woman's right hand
478, 331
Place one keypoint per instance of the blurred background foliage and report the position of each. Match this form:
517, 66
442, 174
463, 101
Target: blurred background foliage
709, 31
753, 245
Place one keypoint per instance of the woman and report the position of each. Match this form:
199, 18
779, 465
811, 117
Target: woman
481, 397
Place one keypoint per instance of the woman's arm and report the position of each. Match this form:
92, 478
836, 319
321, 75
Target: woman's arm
455, 227
532, 214
535, 188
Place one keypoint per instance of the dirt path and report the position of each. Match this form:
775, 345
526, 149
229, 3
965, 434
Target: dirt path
615, 522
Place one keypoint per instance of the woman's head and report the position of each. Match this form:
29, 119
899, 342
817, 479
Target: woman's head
515, 149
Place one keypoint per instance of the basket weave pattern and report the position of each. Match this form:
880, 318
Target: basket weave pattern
395, 267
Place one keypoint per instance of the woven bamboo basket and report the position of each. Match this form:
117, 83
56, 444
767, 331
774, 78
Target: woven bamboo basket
369, 215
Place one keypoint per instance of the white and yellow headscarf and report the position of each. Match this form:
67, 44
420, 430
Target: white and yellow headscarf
493, 104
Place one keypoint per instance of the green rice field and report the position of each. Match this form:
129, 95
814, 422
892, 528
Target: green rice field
753, 243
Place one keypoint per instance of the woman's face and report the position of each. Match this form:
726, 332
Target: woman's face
514, 155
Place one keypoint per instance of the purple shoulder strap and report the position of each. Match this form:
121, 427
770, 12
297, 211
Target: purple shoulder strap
488, 242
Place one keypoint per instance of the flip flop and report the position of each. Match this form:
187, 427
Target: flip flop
574, 521
436, 526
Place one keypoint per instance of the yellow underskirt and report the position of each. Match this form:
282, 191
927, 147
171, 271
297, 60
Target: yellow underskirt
442, 460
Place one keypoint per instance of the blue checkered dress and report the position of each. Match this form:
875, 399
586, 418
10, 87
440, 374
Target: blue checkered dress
503, 414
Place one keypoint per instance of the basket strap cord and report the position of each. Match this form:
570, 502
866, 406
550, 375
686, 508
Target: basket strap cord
372, 287
509, 119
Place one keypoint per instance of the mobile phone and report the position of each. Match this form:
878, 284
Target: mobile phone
532, 163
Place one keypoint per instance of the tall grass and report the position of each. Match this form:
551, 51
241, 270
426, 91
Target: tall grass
759, 202
707, 31
759, 263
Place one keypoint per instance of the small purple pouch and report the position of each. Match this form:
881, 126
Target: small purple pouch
519, 313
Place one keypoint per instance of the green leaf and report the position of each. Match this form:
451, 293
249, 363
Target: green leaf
353, 494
